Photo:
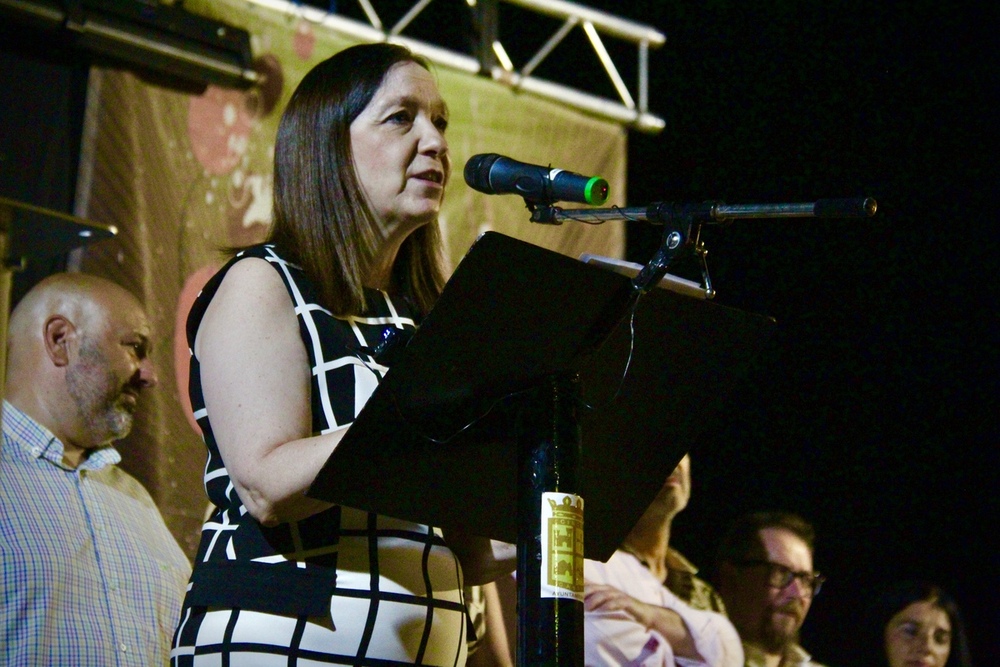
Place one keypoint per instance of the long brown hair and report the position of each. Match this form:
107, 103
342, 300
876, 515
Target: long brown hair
898, 596
322, 220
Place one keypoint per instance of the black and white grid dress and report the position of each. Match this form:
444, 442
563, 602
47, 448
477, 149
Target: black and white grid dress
340, 587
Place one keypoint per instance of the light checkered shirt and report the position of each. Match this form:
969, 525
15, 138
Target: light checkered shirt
90, 573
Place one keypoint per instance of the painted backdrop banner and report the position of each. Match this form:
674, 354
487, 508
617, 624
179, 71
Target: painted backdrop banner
184, 175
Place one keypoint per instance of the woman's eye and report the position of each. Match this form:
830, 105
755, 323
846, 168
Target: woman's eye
401, 116
942, 638
441, 124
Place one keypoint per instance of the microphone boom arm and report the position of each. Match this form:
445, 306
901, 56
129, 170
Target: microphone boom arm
682, 226
709, 212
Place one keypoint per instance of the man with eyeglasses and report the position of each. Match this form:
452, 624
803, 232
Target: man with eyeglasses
766, 578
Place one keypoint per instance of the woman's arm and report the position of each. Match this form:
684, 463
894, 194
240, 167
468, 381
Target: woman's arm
255, 377
483, 560
495, 650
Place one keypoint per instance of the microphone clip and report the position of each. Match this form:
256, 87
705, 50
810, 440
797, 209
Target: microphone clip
545, 214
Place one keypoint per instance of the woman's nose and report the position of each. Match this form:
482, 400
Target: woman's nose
432, 140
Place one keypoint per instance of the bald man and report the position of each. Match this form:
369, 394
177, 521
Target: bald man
90, 573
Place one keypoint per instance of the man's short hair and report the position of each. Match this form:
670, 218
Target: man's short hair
742, 540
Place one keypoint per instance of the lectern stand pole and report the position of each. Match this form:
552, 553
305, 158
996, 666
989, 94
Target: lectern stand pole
514, 327
550, 550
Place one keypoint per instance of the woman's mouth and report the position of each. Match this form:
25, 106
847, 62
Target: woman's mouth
431, 175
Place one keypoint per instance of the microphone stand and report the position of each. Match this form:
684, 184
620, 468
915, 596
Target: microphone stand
682, 225
708, 212
550, 622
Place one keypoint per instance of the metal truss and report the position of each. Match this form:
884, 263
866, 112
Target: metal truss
491, 58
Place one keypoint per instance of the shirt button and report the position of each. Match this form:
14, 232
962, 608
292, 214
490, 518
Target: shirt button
123, 648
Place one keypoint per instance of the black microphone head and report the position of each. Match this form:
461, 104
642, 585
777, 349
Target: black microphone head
477, 172
498, 175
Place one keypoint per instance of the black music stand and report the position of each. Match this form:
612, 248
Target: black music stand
29, 233
450, 437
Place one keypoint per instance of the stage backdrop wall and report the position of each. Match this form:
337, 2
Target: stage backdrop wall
183, 175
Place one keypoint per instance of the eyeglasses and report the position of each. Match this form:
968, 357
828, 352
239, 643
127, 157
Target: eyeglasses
781, 577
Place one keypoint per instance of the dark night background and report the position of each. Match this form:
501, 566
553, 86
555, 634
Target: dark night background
873, 411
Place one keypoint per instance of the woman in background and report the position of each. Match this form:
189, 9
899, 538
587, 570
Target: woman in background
921, 627
280, 370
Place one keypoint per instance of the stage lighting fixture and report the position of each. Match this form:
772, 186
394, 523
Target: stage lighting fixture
149, 36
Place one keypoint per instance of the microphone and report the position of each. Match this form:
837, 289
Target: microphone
498, 175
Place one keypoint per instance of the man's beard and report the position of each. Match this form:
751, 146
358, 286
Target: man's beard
778, 632
99, 399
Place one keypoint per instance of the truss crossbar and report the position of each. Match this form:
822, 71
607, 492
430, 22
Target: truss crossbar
610, 24
609, 65
553, 42
626, 112
408, 18
369, 11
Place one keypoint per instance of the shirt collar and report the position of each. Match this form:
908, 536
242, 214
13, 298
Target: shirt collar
676, 562
794, 655
38, 442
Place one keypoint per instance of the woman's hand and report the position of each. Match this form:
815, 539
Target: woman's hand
483, 560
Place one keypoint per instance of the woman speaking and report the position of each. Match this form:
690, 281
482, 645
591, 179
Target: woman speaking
278, 374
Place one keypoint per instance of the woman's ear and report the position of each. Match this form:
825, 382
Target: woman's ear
57, 334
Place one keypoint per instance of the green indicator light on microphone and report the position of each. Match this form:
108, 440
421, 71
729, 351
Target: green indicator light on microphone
596, 191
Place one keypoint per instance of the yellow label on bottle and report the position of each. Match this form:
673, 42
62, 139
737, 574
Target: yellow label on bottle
562, 546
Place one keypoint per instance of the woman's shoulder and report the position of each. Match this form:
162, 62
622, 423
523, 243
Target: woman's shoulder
249, 279
258, 265
250, 285
268, 252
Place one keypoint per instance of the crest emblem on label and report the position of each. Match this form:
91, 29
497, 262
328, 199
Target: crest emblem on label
562, 546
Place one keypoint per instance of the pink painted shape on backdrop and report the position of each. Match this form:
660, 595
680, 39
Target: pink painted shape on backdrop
182, 355
304, 40
219, 124
248, 215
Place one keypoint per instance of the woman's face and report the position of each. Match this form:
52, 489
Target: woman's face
400, 153
918, 636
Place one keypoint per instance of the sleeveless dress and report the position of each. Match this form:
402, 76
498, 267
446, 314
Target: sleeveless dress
343, 586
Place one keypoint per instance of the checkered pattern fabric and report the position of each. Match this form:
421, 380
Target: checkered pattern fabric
340, 587
90, 574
